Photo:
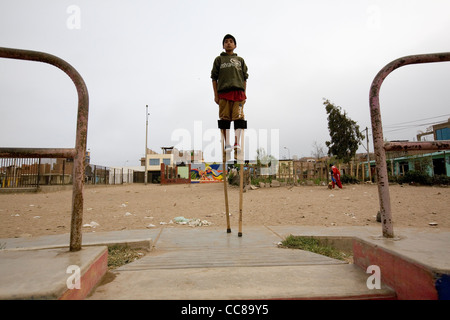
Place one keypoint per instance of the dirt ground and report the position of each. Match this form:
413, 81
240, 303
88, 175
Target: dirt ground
137, 206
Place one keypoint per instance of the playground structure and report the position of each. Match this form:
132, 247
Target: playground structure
378, 140
78, 153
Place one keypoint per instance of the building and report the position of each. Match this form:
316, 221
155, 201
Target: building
436, 163
433, 163
440, 131
170, 156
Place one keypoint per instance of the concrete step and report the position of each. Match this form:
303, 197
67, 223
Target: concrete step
199, 264
51, 273
338, 281
39, 267
205, 263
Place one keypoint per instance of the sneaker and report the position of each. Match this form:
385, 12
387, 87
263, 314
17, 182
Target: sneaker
228, 148
237, 146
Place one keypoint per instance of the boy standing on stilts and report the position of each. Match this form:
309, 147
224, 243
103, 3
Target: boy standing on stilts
229, 78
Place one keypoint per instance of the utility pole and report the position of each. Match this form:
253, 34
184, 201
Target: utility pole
145, 153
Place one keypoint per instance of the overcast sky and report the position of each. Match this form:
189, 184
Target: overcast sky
160, 53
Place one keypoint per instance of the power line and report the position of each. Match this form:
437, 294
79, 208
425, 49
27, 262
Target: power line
396, 124
410, 124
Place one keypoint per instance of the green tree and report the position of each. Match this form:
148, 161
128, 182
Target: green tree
344, 133
267, 161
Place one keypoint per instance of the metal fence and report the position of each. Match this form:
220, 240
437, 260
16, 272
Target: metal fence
19, 172
36, 172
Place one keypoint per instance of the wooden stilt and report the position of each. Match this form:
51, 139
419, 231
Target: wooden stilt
224, 155
241, 178
241, 181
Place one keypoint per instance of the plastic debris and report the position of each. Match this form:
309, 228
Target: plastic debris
181, 220
352, 215
190, 222
198, 223
93, 224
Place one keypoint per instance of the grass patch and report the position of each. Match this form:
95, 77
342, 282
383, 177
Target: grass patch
119, 255
314, 245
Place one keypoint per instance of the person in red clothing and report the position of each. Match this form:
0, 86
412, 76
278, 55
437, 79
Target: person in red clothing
335, 176
229, 78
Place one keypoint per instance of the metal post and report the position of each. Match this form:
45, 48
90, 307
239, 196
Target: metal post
377, 131
146, 135
79, 151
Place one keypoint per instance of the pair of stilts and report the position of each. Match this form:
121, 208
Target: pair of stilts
239, 126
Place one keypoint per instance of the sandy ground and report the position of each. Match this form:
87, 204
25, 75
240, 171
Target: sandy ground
137, 206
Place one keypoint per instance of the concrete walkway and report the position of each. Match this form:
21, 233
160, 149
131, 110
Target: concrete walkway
207, 263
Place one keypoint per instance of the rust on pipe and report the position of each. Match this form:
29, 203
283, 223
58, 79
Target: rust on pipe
79, 153
419, 145
377, 131
37, 153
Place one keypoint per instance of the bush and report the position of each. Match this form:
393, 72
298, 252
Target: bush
393, 179
346, 178
415, 177
256, 181
441, 180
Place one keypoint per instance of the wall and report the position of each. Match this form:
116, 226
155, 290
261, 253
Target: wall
206, 172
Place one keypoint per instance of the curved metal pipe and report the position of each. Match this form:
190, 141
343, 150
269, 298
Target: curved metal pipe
377, 131
81, 132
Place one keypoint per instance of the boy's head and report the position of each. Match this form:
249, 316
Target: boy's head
229, 43
228, 36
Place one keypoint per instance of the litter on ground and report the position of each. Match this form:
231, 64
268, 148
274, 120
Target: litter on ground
189, 222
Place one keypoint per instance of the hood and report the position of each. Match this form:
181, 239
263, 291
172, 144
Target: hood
226, 54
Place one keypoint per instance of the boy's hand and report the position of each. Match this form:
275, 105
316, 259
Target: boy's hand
216, 94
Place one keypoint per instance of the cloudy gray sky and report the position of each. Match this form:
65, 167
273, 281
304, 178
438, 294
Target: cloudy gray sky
160, 53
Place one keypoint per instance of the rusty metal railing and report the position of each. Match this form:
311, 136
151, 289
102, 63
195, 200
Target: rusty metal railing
78, 153
377, 131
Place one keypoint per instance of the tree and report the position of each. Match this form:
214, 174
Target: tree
344, 132
318, 150
268, 162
